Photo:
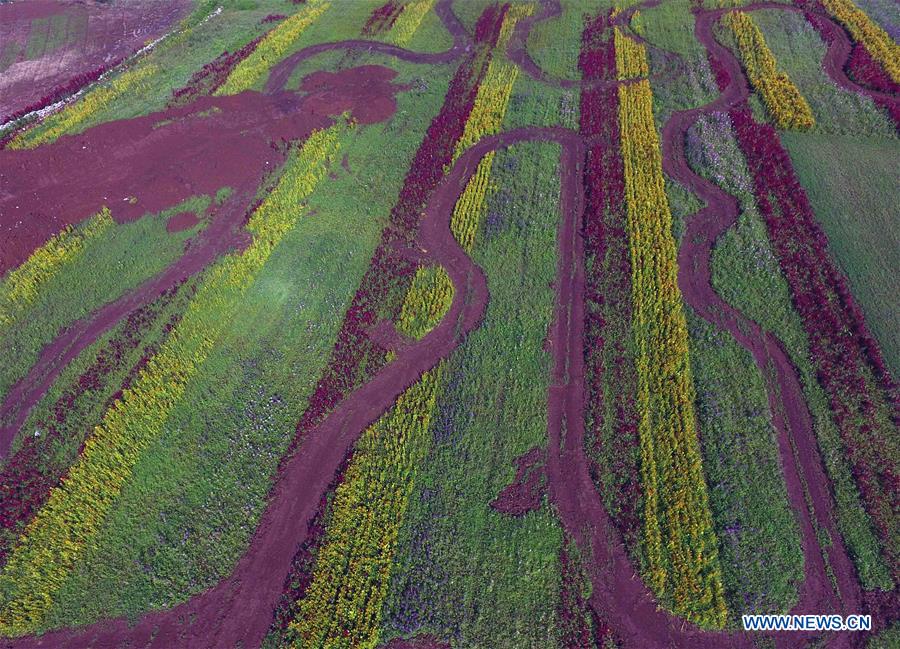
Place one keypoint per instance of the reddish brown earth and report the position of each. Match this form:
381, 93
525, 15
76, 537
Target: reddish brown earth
526, 491
238, 611
181, 221
213, 143
98, 33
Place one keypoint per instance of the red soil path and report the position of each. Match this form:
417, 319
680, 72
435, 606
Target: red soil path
112, 32
213, 143
239, 609
181, 221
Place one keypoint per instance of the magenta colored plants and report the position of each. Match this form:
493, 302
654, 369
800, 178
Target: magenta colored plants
609, 365
383, 18
272, 18
847, 359
28, 476
212, 75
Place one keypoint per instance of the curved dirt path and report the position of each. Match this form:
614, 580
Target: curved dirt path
796, 440
462, 42
517, 49
239, 609
194, 153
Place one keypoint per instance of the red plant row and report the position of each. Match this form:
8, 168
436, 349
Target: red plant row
29, 475
847, 359
860, 67
207, 79
272, 18
608, 287
580, 625
59, 93
356, 357
383, 18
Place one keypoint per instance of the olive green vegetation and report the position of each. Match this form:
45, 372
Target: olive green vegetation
852, 186
9, 53
799, 51
197, 493
118, 260
533, 103
467, 571
747, 275
554, 44
683, 205
759, 539
886, 639
669, 27
431, 36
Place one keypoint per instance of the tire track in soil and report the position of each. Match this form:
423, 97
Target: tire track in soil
189, 155
238, 609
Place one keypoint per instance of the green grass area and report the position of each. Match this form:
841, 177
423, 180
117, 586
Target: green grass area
533, 103
852, 186
197, 493
746, 274
799, 51
120, 259
670, 27
464, 571
683, 205
554, 44
431, 36
53, 32
886, 639
759, 539
9, 54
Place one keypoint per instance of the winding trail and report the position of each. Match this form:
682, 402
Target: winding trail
239, 609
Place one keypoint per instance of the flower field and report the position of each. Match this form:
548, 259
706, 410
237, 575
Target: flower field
679, 542
788, 107
432, 324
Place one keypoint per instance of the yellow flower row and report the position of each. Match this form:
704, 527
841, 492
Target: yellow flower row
21, 285
681, 556
408, 22
75, 114
783, 99
271, 49
56, 538
427, 301
342, 606
865, 31
486, 118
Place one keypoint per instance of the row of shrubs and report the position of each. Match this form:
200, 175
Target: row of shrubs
680, 545
788, 107
20, 286
75, 510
